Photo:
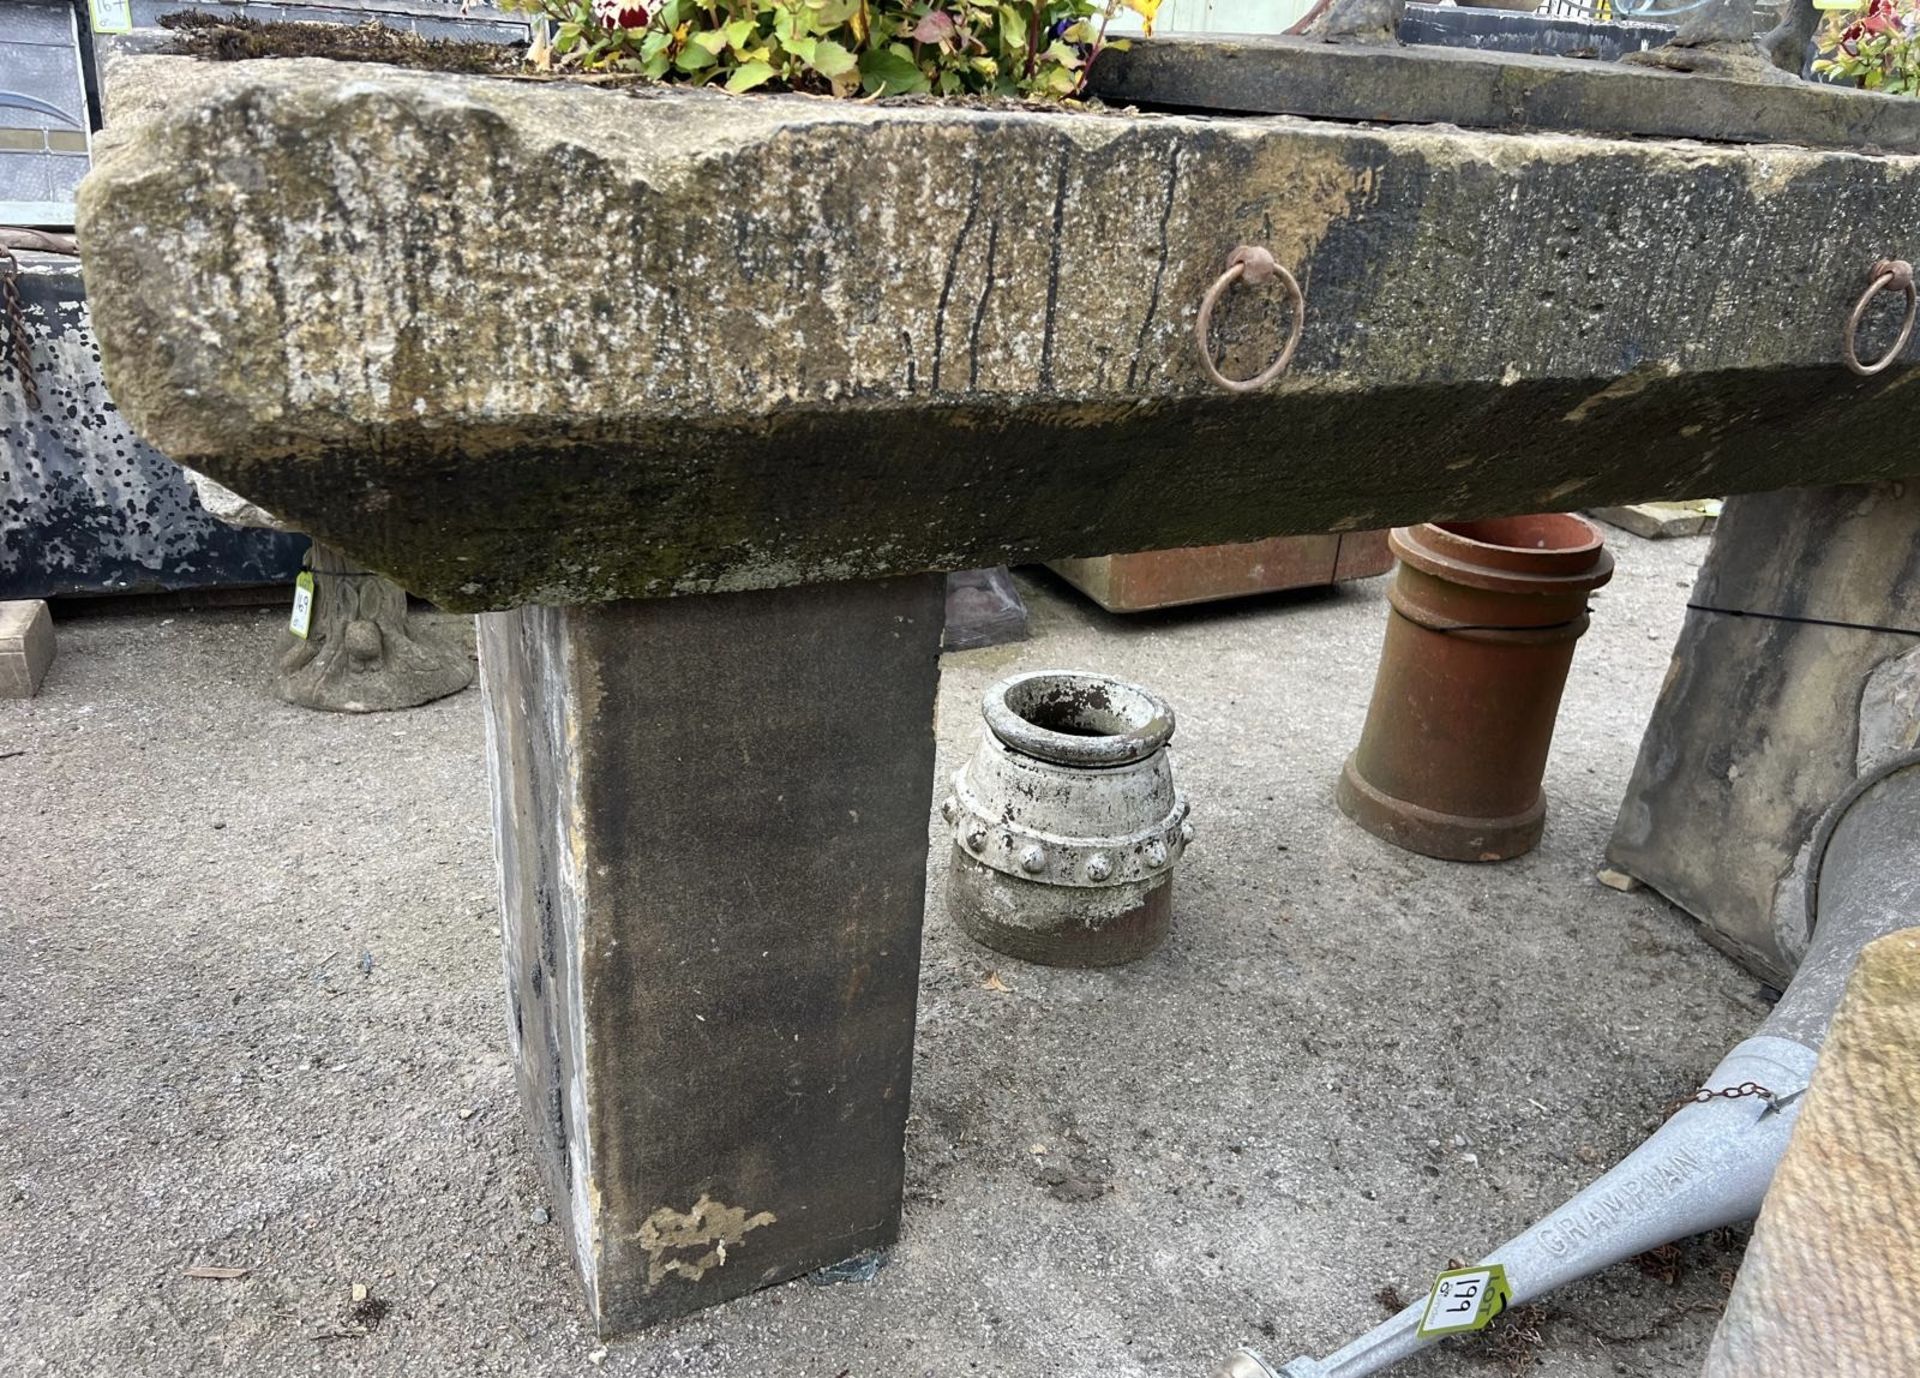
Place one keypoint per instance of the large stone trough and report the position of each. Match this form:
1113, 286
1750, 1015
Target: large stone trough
551, 352
725, 344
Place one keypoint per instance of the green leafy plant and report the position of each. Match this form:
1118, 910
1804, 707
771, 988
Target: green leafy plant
1036, 48
1875, 44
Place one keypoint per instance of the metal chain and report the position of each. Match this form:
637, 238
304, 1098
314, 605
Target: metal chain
1704, 1094
19, 343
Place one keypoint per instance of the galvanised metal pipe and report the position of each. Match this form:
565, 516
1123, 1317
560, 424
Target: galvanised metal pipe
1710, 1164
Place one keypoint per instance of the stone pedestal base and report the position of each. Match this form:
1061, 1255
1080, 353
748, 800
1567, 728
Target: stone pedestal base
711, 824
1793, 674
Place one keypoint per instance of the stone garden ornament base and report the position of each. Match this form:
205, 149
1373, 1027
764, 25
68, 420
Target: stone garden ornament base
362, 652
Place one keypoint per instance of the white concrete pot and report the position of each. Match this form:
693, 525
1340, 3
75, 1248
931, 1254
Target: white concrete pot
1066, 822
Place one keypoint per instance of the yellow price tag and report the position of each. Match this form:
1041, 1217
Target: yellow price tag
302, 619
111, 16
1464, 1299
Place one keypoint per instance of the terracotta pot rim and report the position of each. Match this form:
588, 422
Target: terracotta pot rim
1586, 536
1577, 561
1107, 721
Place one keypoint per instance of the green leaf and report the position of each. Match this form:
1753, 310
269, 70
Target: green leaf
694, 59
885, 71
1013, 29
748, 75
831, 60
739, 31
713, 41
802, 48
1061, 53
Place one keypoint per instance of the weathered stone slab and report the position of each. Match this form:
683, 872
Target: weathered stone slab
1511, 91
522, 342
710, 818
1831, 1278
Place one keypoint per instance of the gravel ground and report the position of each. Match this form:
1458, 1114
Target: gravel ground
252, 1018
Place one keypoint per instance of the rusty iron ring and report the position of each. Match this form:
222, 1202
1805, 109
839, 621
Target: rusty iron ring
1254, 265
1888, 272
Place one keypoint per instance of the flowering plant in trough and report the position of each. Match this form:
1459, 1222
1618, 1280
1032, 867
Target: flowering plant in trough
1874, 44
1036, 48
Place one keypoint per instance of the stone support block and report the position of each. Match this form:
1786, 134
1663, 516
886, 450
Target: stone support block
710, 821
1204, 574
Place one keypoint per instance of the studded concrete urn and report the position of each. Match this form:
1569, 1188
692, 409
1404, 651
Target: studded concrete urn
1066, 822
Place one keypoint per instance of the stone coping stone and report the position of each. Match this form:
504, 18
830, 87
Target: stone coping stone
1508, 31
1422, 84
517, 342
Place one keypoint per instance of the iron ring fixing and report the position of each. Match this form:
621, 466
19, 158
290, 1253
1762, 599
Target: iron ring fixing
1896, 273
1253, 265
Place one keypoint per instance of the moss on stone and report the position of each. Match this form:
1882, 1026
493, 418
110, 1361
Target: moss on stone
222, 38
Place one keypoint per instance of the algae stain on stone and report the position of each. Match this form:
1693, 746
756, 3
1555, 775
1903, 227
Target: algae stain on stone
1629, 384
690, 1243
1309, 191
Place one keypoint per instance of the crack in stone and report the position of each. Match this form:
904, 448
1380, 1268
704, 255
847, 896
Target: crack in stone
1160, 263
980, 307
1053, 266
953, 268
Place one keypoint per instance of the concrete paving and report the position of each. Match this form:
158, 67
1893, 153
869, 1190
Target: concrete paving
252, 1018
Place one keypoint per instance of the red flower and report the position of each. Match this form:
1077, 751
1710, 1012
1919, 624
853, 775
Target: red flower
621, 14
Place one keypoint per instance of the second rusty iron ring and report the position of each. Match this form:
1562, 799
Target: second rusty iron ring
1888, 272
1254, 265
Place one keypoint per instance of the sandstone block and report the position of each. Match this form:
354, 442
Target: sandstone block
26, 647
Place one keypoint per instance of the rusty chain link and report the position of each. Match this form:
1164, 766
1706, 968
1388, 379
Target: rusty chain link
1889, 273
1705, 1094
19, 343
